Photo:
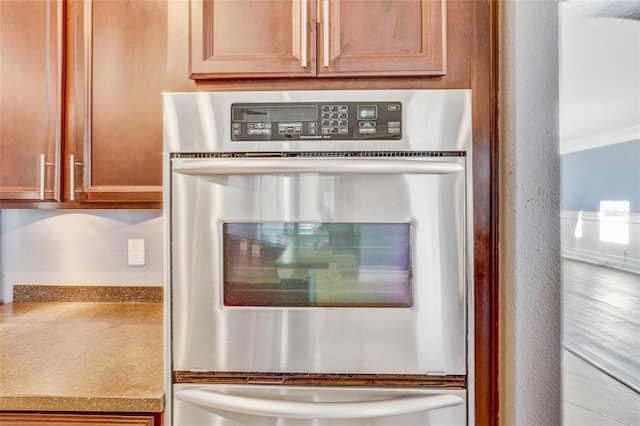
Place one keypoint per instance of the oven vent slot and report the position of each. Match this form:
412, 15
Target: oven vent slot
378, 154
328, 154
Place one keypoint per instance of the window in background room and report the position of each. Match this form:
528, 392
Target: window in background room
614, 221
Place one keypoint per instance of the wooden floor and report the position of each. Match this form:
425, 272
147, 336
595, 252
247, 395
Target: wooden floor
593, 398
601, 336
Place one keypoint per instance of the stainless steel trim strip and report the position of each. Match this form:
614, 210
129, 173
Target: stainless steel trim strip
255, 166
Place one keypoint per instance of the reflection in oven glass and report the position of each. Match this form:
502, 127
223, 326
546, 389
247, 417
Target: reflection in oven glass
317, 264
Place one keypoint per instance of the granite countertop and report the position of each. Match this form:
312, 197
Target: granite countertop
81, 356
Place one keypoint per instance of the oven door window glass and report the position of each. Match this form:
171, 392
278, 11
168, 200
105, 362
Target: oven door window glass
317, 264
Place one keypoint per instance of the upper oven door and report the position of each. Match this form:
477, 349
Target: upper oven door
319, 265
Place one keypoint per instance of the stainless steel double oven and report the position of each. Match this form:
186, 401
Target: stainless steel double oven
319, 258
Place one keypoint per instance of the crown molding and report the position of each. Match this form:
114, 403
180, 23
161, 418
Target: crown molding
595, 140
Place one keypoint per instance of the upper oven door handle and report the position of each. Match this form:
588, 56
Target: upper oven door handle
211, 400
333, 165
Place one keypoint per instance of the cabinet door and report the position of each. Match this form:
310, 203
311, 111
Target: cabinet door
30, 99
252, 38
117, 62
63, 419
382, 37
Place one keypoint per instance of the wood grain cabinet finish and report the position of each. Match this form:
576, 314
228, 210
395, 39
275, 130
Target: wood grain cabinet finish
63, 419
317, 38
81, 84
31, 49
116, 64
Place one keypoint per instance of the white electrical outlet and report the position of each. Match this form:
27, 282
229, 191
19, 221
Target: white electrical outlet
136, 252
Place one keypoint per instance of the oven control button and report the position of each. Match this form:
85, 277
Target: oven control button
289, 128
393, 127
259, 131
367, 127
393, 107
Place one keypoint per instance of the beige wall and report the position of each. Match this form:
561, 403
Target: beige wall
530, 297
67, 247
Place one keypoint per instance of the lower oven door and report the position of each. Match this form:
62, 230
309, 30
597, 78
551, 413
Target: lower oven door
242, 405
306, 265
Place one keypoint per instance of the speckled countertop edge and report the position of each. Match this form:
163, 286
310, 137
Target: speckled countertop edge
85, 293
82, 404
81, 356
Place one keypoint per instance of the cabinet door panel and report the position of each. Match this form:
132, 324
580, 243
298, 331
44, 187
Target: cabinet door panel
251, 38
71, 419
117, 73
382, 37
30, 99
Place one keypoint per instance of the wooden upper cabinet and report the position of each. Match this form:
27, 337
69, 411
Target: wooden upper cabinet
256, 38
31, 49
382, 37
81, 87
116, 72
317, 38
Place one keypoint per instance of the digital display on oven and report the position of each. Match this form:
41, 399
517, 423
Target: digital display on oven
317, 264
367, 112
269, 114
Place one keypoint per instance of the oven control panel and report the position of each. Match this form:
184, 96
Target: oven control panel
316, 121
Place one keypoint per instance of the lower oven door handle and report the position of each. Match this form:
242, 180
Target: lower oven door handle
357, 165
210, 400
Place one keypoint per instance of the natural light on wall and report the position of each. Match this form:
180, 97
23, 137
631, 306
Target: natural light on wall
578, 231
614, 221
